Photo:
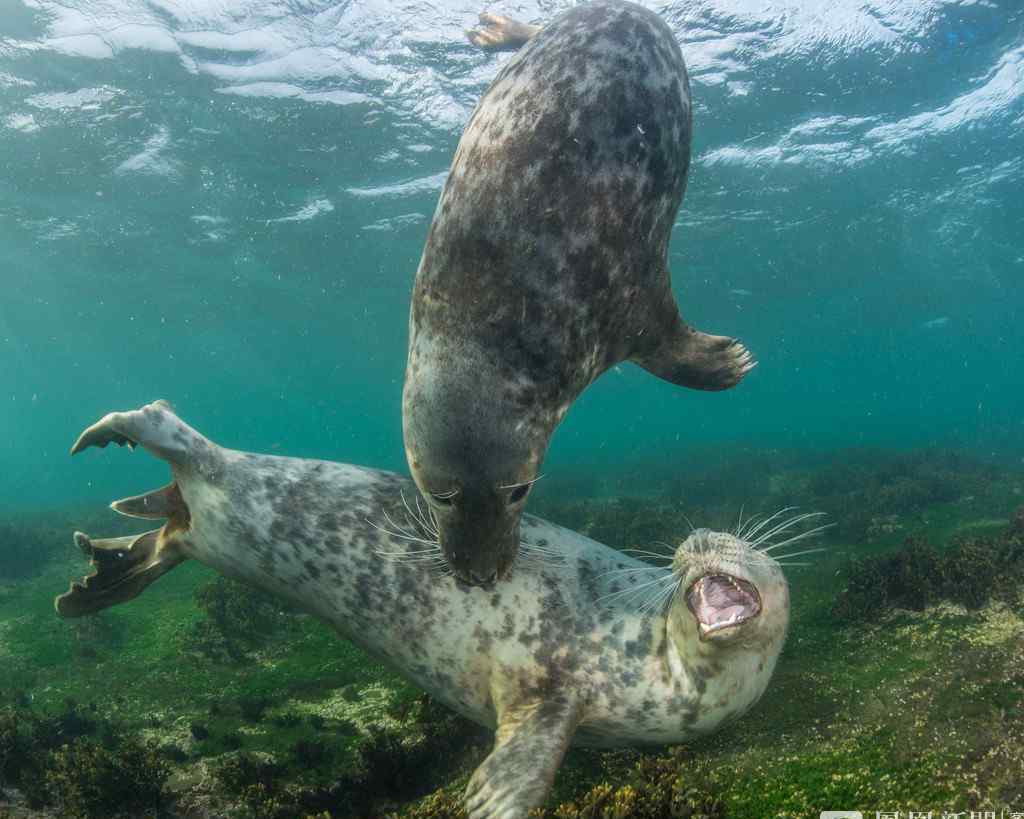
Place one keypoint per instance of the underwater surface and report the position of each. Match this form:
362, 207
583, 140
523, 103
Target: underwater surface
223, 204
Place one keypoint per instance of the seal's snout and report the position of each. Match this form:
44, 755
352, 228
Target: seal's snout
480, 561
478, 579
721, 601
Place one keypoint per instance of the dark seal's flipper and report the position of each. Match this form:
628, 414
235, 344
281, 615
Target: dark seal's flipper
690, 358
498, 33
122, 568
528, 748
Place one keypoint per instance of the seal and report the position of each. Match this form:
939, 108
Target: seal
581, 644
546, 264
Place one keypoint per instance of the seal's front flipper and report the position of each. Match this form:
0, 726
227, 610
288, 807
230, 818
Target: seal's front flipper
690, 358
529, 745
498, 33
122, 568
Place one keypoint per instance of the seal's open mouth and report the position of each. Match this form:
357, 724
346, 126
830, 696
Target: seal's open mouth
720, 601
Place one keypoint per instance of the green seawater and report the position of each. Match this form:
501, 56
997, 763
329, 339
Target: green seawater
224, 204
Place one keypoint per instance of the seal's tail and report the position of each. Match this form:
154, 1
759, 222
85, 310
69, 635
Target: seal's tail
124, 566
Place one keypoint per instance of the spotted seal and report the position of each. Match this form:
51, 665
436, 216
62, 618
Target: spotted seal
581, 644
546, 264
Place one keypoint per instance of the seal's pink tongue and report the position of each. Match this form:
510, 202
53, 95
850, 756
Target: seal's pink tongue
720, 600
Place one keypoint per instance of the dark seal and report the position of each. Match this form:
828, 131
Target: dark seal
546, 264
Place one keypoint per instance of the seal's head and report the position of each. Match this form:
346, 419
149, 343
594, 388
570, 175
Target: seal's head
475, 464
730, 595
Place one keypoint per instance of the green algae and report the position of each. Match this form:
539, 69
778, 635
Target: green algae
970, 572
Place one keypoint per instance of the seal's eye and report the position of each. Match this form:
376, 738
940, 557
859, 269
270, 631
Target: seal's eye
519, 493
443, 498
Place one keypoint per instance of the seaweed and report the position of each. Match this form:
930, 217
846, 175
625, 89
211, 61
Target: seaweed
656, 787
79, 765
621, 522
253, 706
89, 780
970, 572
24, 550
237, 619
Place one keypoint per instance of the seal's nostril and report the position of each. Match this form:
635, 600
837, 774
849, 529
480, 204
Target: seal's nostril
480, 580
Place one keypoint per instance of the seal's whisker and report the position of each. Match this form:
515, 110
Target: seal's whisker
426, 564
632, 590
434, 551
780, 558
631, 570
394, 526
656, 602
416, 517
540, 557
400, 532
756, 555
537, 547
547, 555
748, 525
427, 517
519, 485
661, 597
739, 523
796, 538
396, 531
781, 527
634, 578
408, 538
764, 537
412, 554
405, 503
645, 553
789, 565
405, 530
765, 523
753, 532
411, 559
671, 592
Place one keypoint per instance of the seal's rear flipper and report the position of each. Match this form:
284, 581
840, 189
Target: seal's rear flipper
155, 505
528, 748
155, 427
122, 568
690, 358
